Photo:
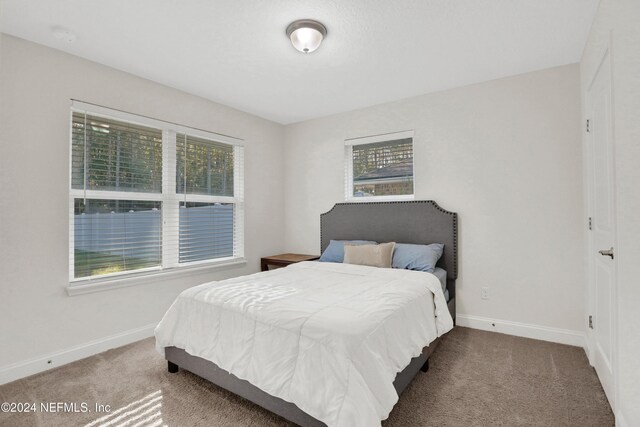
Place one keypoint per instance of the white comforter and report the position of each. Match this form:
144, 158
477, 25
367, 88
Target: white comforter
328, 337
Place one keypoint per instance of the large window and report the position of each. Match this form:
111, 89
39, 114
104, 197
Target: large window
147, 195
379, 167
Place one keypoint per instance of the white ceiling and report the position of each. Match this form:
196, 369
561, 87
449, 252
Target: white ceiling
235, 51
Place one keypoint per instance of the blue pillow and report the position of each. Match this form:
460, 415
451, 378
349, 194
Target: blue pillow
417, 257
335, 250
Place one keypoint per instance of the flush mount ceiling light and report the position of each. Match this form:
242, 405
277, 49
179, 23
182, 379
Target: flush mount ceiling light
306, 34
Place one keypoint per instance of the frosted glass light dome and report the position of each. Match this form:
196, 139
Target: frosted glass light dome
306, 34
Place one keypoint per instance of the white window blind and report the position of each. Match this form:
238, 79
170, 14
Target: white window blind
111, 155
148, 195
206, 186
379, 167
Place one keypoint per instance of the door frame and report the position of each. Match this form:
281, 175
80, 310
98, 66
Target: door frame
605, 60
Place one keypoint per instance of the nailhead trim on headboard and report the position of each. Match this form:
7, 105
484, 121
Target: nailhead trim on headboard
431, 202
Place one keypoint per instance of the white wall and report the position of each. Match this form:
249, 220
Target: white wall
617, 23
36, 83
506, 155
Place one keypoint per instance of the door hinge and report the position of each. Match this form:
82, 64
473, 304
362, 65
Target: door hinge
590, 322
588, 125
590, 223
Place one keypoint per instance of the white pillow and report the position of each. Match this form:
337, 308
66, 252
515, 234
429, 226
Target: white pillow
373, 255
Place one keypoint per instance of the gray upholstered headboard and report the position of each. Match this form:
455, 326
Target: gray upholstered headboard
419, 222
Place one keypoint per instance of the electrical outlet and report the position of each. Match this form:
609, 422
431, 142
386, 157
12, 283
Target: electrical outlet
484, 293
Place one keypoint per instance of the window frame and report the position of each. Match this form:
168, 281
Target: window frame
349, 143
168, 197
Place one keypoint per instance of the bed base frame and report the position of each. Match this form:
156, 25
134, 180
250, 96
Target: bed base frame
210, 371
420, 222
178, 358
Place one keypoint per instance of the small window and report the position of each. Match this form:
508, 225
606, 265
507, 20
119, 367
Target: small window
379, 167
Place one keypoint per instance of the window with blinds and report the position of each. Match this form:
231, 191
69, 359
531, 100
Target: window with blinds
147, 195
110, 155
203, 167
204, 181
379, 167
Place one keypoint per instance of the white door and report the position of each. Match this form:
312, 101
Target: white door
602, 287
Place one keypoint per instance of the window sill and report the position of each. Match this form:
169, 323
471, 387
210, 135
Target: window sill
81, 287
380, 198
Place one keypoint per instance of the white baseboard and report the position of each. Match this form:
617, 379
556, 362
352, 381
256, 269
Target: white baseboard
544, 333
39, 364
29, 367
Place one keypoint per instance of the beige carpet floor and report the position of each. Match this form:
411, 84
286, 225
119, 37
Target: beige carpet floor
476, 379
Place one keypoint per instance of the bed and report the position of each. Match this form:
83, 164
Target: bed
337, 376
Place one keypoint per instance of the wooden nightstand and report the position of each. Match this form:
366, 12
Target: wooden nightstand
283, 260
